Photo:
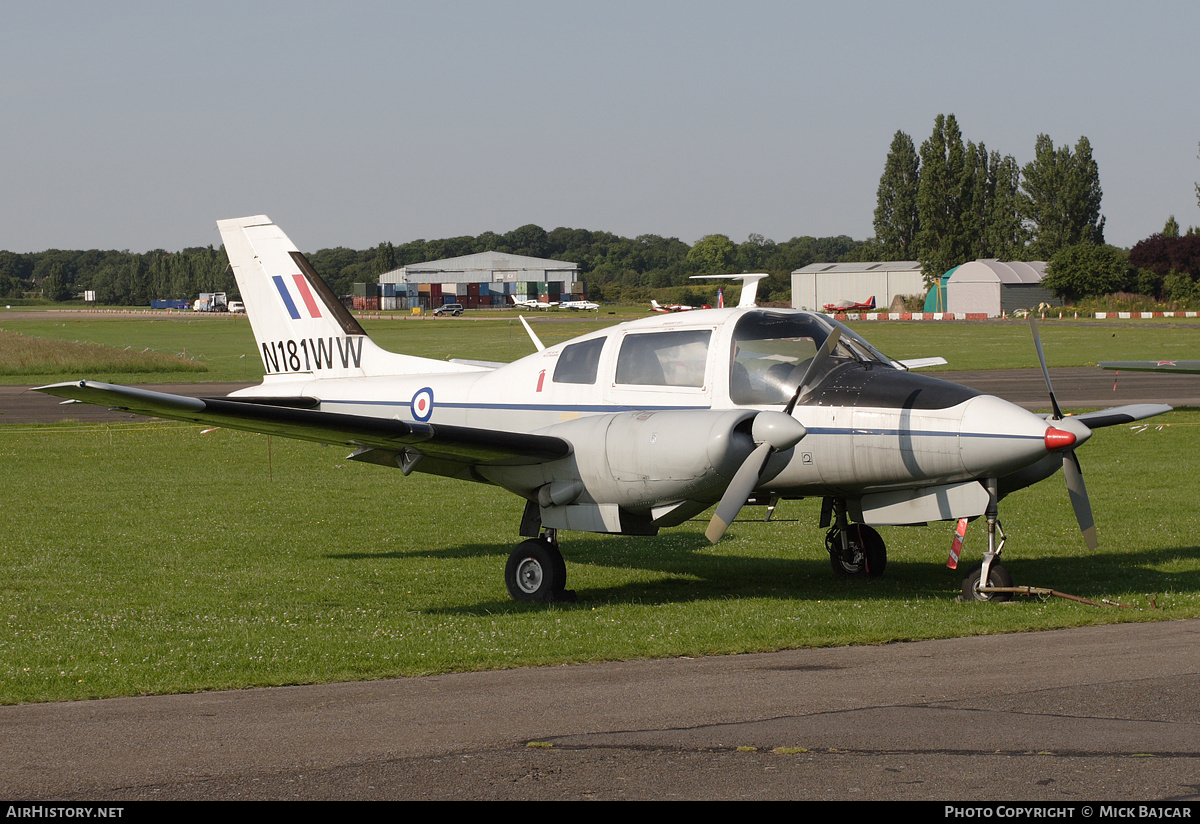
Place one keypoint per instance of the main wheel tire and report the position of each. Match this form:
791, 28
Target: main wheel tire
535, 572
998, 576
867, 550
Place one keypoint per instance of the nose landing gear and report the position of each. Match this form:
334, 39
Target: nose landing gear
990, 574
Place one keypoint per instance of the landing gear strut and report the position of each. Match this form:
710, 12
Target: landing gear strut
990, 574
855, 550
536, 571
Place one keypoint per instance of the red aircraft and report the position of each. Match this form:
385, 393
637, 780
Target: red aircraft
843, 306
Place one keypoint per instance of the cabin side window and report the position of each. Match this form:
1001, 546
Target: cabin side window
676, 358
578, 362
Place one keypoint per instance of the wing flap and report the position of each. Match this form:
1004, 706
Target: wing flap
459, 444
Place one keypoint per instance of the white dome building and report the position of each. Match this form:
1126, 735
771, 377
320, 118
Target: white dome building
994, 288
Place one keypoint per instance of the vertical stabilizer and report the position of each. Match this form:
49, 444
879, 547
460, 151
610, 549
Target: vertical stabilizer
300, 326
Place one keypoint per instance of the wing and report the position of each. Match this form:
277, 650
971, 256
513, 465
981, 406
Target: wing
439, 449
1121, 414
1186, 367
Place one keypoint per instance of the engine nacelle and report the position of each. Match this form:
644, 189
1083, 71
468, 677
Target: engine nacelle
641, 459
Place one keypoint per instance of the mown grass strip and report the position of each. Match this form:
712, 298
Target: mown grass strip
152, 558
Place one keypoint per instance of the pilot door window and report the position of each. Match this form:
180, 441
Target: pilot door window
664, 358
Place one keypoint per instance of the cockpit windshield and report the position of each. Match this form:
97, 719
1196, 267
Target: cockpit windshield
773, 350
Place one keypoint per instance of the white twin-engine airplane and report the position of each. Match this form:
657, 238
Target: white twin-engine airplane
532, 303
643, 425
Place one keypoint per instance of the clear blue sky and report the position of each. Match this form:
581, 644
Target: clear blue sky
136, 125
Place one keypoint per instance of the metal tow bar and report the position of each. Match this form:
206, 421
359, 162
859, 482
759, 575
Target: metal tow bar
1042, 591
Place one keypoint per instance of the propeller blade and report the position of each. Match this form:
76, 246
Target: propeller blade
1071, 468
1037, 344
739, 489
815, 366
1079, 498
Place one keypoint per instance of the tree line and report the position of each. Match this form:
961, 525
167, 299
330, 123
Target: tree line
614, 268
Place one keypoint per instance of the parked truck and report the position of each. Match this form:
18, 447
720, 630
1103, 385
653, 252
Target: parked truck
211, 302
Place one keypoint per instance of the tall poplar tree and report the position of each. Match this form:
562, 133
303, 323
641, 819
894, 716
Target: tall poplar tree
1060, 197
1005, 234
896, 218
941, 242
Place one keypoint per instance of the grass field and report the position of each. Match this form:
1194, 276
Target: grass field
22, 355
151, 558
225, 346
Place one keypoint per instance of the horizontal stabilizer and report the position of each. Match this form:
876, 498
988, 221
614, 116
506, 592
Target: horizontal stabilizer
749, 286
921, 363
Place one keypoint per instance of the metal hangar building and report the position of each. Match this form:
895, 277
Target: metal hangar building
820, 283
479, 281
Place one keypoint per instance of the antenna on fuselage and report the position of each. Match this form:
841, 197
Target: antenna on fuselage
537, 343
749, 286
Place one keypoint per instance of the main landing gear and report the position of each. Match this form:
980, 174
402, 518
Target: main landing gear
855, 550
536, 571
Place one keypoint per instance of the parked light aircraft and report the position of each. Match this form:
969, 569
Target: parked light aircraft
849, 306
655, 306
532, 303
643, 425
580, 305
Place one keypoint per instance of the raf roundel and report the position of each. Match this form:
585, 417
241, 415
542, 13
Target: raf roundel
422, 404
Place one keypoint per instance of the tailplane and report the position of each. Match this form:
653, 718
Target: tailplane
301, 327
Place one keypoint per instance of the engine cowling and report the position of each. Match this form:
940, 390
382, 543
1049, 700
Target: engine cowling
639, 460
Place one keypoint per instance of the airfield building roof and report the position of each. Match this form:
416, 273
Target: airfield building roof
863, 266
484, 266
991, 270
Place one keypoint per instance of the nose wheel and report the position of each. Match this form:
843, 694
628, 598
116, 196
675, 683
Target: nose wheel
998, 576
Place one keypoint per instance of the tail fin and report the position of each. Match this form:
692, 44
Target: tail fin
300, 325
872, 302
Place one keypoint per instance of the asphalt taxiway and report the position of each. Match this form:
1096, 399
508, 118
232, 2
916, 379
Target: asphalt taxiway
1096, 713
